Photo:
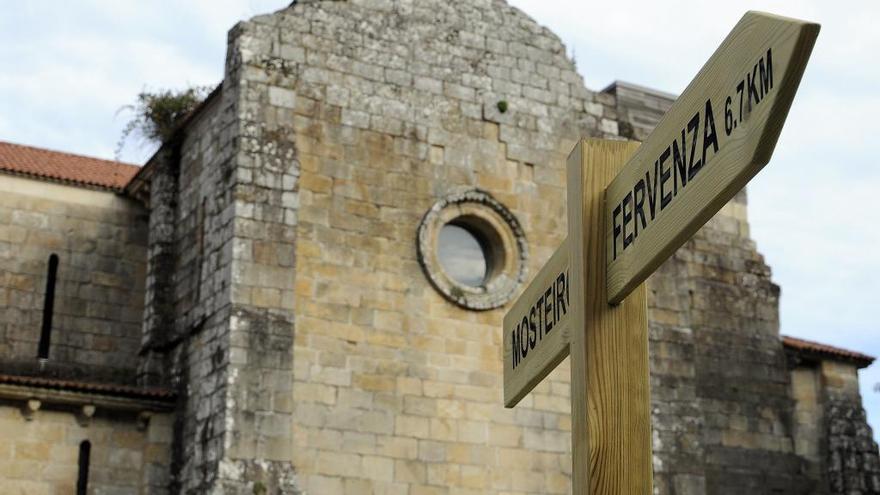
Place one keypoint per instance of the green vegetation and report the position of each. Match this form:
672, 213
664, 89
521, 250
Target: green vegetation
157, 114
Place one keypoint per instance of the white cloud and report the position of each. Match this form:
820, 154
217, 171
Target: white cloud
77, 64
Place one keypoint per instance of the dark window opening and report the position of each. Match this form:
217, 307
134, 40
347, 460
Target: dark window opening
48, 308
82, 479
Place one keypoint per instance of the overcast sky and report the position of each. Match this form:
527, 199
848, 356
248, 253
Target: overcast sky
68, 67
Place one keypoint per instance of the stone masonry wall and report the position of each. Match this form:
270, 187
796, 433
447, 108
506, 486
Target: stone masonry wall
258, 449
40, 457
639, 109
810, 441
851, 459
186, 327
99, 238
832, 431
313, 354
223, 226
720, 386
157, 336
383, 107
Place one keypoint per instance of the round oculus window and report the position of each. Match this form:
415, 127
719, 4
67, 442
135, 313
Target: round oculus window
473, 250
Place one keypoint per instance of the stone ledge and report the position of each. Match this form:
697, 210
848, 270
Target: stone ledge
119, 398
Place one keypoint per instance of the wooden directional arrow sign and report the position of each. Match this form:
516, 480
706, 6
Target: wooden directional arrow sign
537, 329
719, 133
714, 139
628, 210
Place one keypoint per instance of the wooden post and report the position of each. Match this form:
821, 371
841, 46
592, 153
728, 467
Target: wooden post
609, 353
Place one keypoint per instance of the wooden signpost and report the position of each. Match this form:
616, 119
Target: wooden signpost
630, 207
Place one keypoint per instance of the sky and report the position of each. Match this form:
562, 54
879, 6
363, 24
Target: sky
461, 255
70, 67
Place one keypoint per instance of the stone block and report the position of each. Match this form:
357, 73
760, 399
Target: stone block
411, 426
339, 464
378, 468
410, 472
428, 84
282, 97
324, 484
33, 451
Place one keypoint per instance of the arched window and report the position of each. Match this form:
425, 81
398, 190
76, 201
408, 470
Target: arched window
82, 479
48, 308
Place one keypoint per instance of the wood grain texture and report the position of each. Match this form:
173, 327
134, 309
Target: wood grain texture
580, 439
611, 422
549, 350
760, 44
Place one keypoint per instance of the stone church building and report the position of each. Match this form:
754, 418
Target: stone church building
302, 291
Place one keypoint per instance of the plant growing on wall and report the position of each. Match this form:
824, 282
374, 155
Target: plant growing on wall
156, 114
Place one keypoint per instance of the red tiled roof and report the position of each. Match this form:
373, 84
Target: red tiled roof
826, 350
65, 167
154, 393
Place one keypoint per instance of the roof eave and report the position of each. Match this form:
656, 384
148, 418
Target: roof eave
818, 351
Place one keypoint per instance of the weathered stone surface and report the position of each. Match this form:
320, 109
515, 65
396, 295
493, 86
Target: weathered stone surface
99, 239
41, 455
333, 146
852, 463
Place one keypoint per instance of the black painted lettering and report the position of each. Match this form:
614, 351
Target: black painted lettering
555, 290
639, 203
538, 308
524, 337
753, 90
693, 127
548, 310
709, 134
561, 309
627, 217
652, 191
679, 164
533, 331
533, 327
766, 72
514, 345
740, 89
665, 197
614, 217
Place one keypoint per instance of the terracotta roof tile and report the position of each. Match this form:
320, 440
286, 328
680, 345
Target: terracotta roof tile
162, 394
826, 350
65, 167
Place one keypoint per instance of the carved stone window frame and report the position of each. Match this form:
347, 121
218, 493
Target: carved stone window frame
500, 234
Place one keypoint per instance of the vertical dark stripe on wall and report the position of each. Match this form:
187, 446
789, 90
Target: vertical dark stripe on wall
82, 479
48, 308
